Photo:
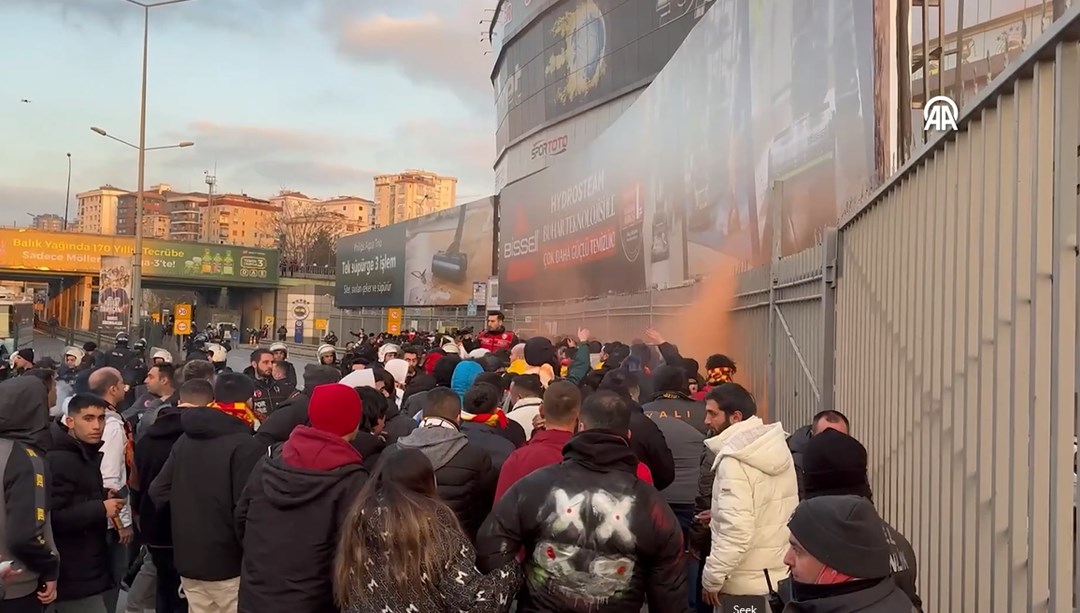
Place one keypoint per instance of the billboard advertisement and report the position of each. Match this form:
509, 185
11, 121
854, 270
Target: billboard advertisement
83, 253
114, 296
447, 252
370, 268
760, 95
582, 52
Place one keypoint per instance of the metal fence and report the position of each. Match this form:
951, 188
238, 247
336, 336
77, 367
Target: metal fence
942, 319
782, 318
956, 347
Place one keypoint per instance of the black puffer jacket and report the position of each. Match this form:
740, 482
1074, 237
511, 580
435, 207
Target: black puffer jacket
882, 596
296, 503
491, 440
596, 537
464, 474
797, 443
78, 518
370, 448
151, 453
279, 425
202, 482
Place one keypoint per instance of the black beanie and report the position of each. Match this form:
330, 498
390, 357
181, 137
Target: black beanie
670, 379
26, 353
834, 464
539, 351
233, 387
444, 370
844, 533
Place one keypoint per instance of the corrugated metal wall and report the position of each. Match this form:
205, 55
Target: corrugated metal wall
956, 347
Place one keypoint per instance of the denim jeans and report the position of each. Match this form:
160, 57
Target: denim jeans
685, 514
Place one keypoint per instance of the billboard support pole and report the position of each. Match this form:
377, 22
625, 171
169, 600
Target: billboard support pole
776, 205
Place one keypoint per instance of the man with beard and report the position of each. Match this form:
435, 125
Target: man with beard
754, 493
294, 411
262, 373
496, 336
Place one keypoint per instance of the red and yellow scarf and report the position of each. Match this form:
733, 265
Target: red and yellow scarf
239, 410
496, 418
721, 375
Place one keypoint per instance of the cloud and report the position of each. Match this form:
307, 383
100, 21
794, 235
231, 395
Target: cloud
227, 141
318, 177
438, 47
17, 202
243, 15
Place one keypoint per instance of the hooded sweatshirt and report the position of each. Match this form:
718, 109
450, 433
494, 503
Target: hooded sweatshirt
596, 537
465, 375
25, 536
464, 476
296, 503
754, 493
202, 482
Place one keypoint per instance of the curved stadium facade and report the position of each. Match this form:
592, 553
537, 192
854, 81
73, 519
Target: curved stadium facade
565, 70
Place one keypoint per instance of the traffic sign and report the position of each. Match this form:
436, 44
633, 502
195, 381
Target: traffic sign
183, 311
181, 327
393, 321
472, 308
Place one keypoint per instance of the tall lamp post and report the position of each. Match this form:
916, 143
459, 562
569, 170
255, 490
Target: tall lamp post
136, 270
136, 267
67, 199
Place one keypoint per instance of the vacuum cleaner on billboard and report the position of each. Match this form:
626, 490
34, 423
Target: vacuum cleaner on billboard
452, 265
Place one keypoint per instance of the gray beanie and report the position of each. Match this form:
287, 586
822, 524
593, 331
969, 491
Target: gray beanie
844, 533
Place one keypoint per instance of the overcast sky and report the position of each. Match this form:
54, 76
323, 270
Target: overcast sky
312, 95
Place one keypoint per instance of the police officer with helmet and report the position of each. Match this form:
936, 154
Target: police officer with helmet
121, 355
197, 350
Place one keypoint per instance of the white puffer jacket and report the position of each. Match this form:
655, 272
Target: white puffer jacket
755, 491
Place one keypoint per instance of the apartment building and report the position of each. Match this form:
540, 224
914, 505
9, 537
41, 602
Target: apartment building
358, 214
410, 194
186, 216
239, 219
153, 205
49, 222
98, 208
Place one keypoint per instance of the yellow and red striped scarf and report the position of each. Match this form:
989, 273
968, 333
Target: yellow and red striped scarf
239, 410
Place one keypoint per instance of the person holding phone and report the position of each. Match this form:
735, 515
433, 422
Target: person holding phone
81, 509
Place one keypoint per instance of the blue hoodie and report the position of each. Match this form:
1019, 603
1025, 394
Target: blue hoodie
464, 375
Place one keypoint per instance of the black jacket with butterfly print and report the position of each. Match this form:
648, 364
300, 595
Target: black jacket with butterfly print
596, 538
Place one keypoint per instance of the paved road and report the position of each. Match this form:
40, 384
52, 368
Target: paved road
45, 345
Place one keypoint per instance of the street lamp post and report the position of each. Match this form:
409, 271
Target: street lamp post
136, 269
67, 199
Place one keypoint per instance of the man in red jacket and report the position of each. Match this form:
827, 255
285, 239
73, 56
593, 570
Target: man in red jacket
560, 410
496, 337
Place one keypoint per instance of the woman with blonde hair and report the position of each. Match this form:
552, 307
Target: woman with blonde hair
402, 549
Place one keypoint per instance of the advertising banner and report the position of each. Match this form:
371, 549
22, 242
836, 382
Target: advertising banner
760, 93
370, 268
114, 297
83, 253
581, 52
447, 252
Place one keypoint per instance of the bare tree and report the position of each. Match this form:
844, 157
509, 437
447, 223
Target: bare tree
303, 233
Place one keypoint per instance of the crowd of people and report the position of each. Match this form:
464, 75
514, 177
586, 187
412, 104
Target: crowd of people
421, 473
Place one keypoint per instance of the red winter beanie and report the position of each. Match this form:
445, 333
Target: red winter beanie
335, 409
